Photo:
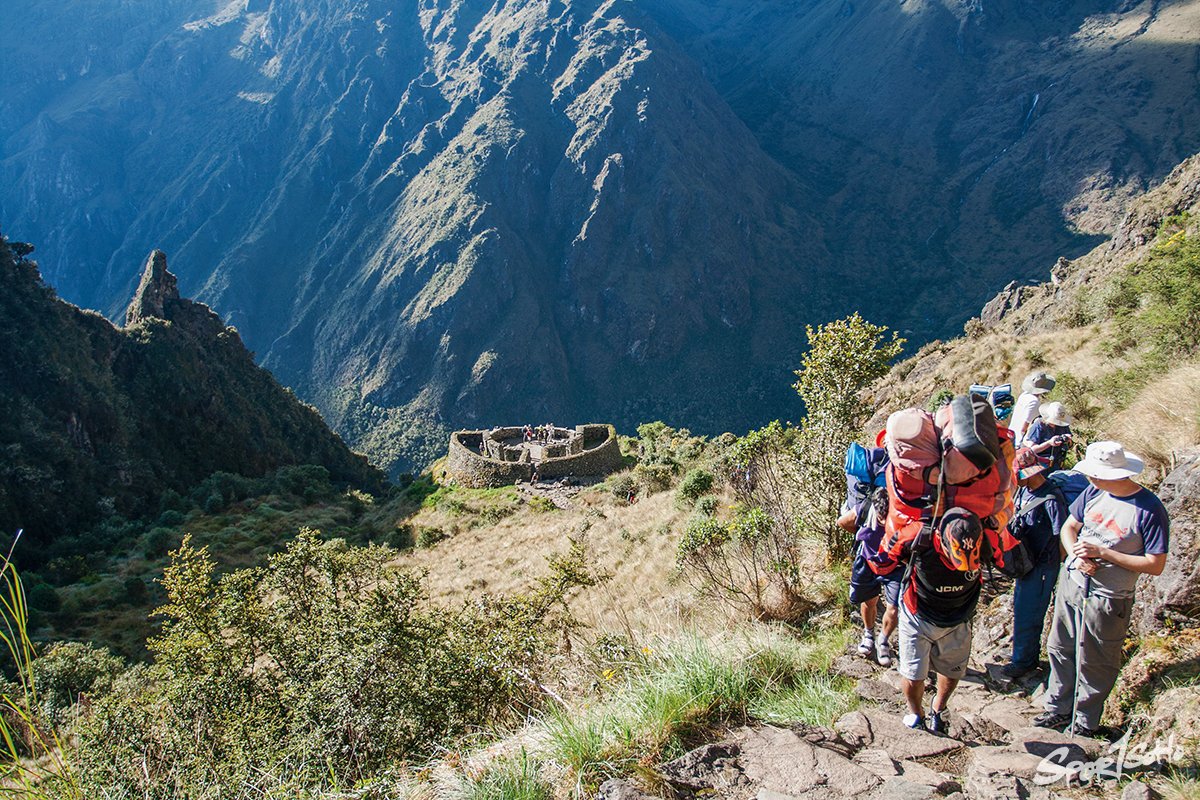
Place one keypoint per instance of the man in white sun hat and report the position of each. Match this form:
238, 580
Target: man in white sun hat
1117, 530
1025, 411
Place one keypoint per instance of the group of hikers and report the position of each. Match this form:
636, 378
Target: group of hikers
980, 484
542, 434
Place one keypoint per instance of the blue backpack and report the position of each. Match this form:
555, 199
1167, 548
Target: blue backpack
866, 485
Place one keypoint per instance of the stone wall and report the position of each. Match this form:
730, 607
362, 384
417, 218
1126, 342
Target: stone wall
468, 468
505, 465
603, 458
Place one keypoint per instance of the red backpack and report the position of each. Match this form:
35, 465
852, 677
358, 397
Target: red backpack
958, 458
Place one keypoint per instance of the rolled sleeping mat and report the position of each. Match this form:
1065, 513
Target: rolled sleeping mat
975, 434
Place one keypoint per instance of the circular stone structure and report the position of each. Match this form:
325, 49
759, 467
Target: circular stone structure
502, 457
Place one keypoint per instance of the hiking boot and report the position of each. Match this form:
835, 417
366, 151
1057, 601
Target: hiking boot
937, 722
883, 652
1080, 730
1049, 719
866, 648
1017, 670
914, 721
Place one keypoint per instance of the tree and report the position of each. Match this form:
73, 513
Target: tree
844, 357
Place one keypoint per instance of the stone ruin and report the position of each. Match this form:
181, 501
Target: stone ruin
502, 457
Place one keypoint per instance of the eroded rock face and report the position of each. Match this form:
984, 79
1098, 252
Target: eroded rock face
1174, 596
156, 289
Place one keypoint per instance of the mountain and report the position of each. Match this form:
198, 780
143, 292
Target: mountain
96, 420
425, 216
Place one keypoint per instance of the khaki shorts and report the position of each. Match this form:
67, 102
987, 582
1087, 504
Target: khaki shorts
923, 645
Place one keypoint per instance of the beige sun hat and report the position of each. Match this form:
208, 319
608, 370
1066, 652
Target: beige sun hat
1108, 461
1037, 383
1054, 414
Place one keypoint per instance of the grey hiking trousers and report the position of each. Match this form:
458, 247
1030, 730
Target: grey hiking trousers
1105, 623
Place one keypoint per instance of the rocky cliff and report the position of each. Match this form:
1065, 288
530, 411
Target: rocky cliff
428, 216
96, 420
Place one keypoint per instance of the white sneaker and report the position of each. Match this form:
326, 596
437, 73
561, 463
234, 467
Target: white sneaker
914, 721
883, 652
867, 646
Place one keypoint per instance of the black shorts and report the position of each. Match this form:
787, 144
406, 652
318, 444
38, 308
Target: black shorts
866, 585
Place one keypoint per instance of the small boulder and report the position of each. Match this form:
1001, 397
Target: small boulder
621, 789
886, 731
1136, 790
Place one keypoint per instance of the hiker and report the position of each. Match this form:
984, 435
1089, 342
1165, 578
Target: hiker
1051, 432
1025, 411
1117, 530
533, 475
940, 592
1041, 511
864, 514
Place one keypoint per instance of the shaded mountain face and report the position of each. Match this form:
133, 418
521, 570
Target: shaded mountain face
442, 214
96, 419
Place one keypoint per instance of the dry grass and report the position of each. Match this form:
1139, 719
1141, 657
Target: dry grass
1164, 419
635, 544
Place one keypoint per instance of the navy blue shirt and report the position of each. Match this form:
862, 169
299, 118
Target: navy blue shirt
1038, 529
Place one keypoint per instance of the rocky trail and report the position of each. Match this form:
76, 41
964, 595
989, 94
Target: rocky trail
993, 750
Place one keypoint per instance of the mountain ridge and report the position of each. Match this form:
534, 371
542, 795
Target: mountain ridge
430, 217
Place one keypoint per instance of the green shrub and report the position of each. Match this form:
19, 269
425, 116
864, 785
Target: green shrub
43, 597
429, 536
214, 503
322, 668
541, 504
707, 505
67, 670
654, 477
621, 485
158, 543
695, 483
169, 519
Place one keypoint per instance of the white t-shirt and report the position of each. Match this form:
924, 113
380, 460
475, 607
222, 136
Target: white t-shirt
1024, 413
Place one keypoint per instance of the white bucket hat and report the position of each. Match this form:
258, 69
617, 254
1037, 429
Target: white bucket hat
1054, 414
1108, 461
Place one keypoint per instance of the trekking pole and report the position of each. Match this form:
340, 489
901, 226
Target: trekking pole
1080, 618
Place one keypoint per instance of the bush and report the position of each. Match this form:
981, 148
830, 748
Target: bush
542, 504
322, 667
158, 543
654, 477
621, 485
844, 357
214, 503
43, 597
70, 669
695, 483
169, 519
706, 506
429, 536
309, 482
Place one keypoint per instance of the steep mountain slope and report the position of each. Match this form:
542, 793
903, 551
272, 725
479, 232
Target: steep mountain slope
435, 216
96, 420
449, 213
956, 143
